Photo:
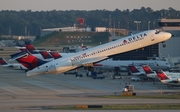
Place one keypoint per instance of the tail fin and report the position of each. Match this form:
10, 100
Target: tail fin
147, 69
55, 54
45, 54
28, 60
3, 61
133, 69
161, 75
83, 47
29, 47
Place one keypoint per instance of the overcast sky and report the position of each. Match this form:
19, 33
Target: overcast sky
39, 5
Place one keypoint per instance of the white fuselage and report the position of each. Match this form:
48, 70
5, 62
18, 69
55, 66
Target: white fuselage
173, 78
170, 75
101, 52
154, 64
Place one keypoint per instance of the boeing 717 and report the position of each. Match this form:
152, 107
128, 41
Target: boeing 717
96, 54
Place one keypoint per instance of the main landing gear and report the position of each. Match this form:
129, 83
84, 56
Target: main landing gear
164, 45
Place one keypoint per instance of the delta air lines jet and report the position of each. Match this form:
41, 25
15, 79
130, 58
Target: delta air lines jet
168, 79
96, 54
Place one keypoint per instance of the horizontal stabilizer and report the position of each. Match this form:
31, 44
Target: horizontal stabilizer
19, 55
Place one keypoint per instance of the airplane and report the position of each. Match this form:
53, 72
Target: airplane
123, 64
50, 55
167, 79
136, 70
4, 63
36, 53
99, 53
149, 72
55, 54
46, 55
152, 74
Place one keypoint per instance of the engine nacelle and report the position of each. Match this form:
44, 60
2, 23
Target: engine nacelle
64, 67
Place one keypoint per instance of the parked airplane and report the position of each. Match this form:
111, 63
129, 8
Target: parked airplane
4, 63
99, 53
38, 52
149, 72
50, 55
136, 70
123, 65
152, 74
55, 54
167, 79
46, 55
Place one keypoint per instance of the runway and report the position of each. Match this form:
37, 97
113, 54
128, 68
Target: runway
20, 91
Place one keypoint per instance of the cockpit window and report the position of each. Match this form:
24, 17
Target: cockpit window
157, 32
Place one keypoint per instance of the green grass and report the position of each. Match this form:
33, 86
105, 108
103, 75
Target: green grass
175, 106
59, 38
122, 107
152, 96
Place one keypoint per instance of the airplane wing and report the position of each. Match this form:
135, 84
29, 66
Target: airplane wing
89, 62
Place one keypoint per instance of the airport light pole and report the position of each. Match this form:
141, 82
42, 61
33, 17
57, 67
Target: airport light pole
149, 25
154, 24
126, 14
138, 24
119, 25
127, 25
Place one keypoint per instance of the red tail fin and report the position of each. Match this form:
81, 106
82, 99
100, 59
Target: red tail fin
133, 69
83, 47
45, 54
3, 62
147, 69
161, 75
27, 60
55, 54
29, 47
22, 49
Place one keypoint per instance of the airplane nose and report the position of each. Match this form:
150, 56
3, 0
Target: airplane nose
168, 35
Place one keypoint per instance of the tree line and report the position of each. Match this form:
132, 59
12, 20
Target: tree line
30, 22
